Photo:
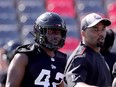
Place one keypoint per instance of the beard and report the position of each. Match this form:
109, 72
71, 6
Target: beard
100, 42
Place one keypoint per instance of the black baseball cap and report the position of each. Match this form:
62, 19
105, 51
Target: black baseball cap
92, 19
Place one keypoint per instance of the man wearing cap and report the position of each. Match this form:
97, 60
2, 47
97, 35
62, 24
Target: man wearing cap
86, 67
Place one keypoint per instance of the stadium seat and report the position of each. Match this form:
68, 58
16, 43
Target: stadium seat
7, 12
73, 27
28, 19
8, 21
62, 7
29, 10
8, 18
6, 35
70, 45
111, 11
31, 6
7, 6
73, 35
27, 35
87, 6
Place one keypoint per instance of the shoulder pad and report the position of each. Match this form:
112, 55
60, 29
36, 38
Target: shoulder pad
61, 56
25, 48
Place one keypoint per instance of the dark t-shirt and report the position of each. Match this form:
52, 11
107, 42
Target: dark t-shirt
86, 65
42, 70
110, 58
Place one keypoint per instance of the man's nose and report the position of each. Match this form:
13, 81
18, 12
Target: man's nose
101, 32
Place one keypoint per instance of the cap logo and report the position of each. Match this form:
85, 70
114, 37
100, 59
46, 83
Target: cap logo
57, 25
97, 17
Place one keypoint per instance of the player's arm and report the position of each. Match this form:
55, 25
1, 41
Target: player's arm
16, 70
114, 82
61, 84
82, 84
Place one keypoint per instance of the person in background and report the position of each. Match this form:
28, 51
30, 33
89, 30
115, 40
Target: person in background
110, 57
7, 53
3, 67
86, 66
40, 64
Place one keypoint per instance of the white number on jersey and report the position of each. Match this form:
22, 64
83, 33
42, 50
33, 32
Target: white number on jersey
44, 76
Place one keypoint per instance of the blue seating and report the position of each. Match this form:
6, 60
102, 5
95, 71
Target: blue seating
88, 6
29, 10
73, 27
31, 6
8, 35
6, 18
7, 6
17, 17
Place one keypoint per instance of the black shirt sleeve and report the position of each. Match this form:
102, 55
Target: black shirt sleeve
114, 70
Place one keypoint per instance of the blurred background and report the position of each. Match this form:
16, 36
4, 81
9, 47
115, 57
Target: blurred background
17, 18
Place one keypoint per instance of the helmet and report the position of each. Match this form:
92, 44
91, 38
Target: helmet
10, 48
49, 20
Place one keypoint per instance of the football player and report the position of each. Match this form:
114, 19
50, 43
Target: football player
40, 64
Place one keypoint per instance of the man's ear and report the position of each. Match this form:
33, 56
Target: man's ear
82, 33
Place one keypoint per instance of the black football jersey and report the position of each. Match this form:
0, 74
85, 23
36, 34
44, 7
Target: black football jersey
86, 65
42, 70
